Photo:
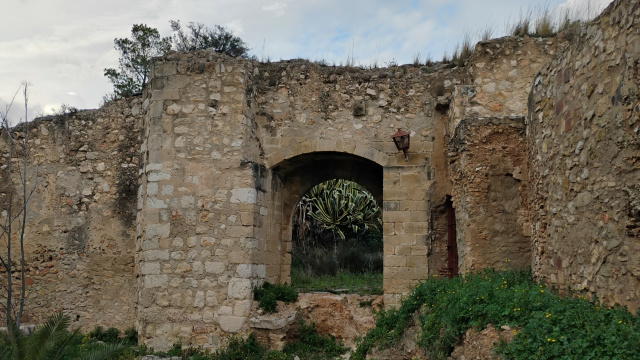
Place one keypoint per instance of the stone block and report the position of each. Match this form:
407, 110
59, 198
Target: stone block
244, 271
152, 255
199, 300
239, 231
157, 231
395, 216
232, 324
156, 109
239, 289
155, 281
395, 260
415, 228
214, 267
242, 308
150, 268
244, 195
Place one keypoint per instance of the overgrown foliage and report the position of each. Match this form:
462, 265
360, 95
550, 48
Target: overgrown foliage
53, 341
268, 294
197, 36
549, 326
308, 344
305, 343
135, 57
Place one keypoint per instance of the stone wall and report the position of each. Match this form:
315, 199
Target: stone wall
487, 152
199, 204
346, 114
79, 236
489, 172
584, 142
221, 150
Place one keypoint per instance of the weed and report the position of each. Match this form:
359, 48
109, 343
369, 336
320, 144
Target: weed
486, 34
544, 24
521, 26
308, 344
445, 57
465, 49
416, 59
268, 294
428, 61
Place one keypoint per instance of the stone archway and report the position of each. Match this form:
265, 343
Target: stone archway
298, 174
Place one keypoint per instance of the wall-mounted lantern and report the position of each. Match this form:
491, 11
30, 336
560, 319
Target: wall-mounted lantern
401, 139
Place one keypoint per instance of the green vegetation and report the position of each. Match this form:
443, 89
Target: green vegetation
53, 341
198, 37
549, 325
336, 233
308, 344
135, 57
344, 282
268, 294
146, 43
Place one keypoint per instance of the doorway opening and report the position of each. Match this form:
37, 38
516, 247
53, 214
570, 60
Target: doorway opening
452, 244
337, 239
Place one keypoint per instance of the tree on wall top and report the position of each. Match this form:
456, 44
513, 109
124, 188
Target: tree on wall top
198, 36
135, 57
146, 43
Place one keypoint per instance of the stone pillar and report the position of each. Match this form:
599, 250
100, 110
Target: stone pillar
198, 204
405, 219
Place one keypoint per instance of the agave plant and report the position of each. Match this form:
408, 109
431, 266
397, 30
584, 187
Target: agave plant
340, 204
49, 342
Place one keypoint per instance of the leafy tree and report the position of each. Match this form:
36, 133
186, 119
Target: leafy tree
135, 57
198, 36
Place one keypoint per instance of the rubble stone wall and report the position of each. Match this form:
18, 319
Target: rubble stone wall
487, 152
584, 141
79, 237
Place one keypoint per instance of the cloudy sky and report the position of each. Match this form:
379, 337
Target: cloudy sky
61, 47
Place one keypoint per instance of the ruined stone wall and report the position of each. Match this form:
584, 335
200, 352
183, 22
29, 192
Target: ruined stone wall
305, 108
79, 238
489, 173
501, 72
487, 152
584, 145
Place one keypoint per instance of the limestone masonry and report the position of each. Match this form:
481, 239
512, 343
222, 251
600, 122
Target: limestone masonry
163, 211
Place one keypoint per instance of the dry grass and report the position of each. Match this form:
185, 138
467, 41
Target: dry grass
545, 26
416, 59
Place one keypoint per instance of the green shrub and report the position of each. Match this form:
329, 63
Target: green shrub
308, 344
268, 294
52, 340
245, 349
130, 336
550, 325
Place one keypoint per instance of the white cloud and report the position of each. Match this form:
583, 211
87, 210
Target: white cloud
276, 8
